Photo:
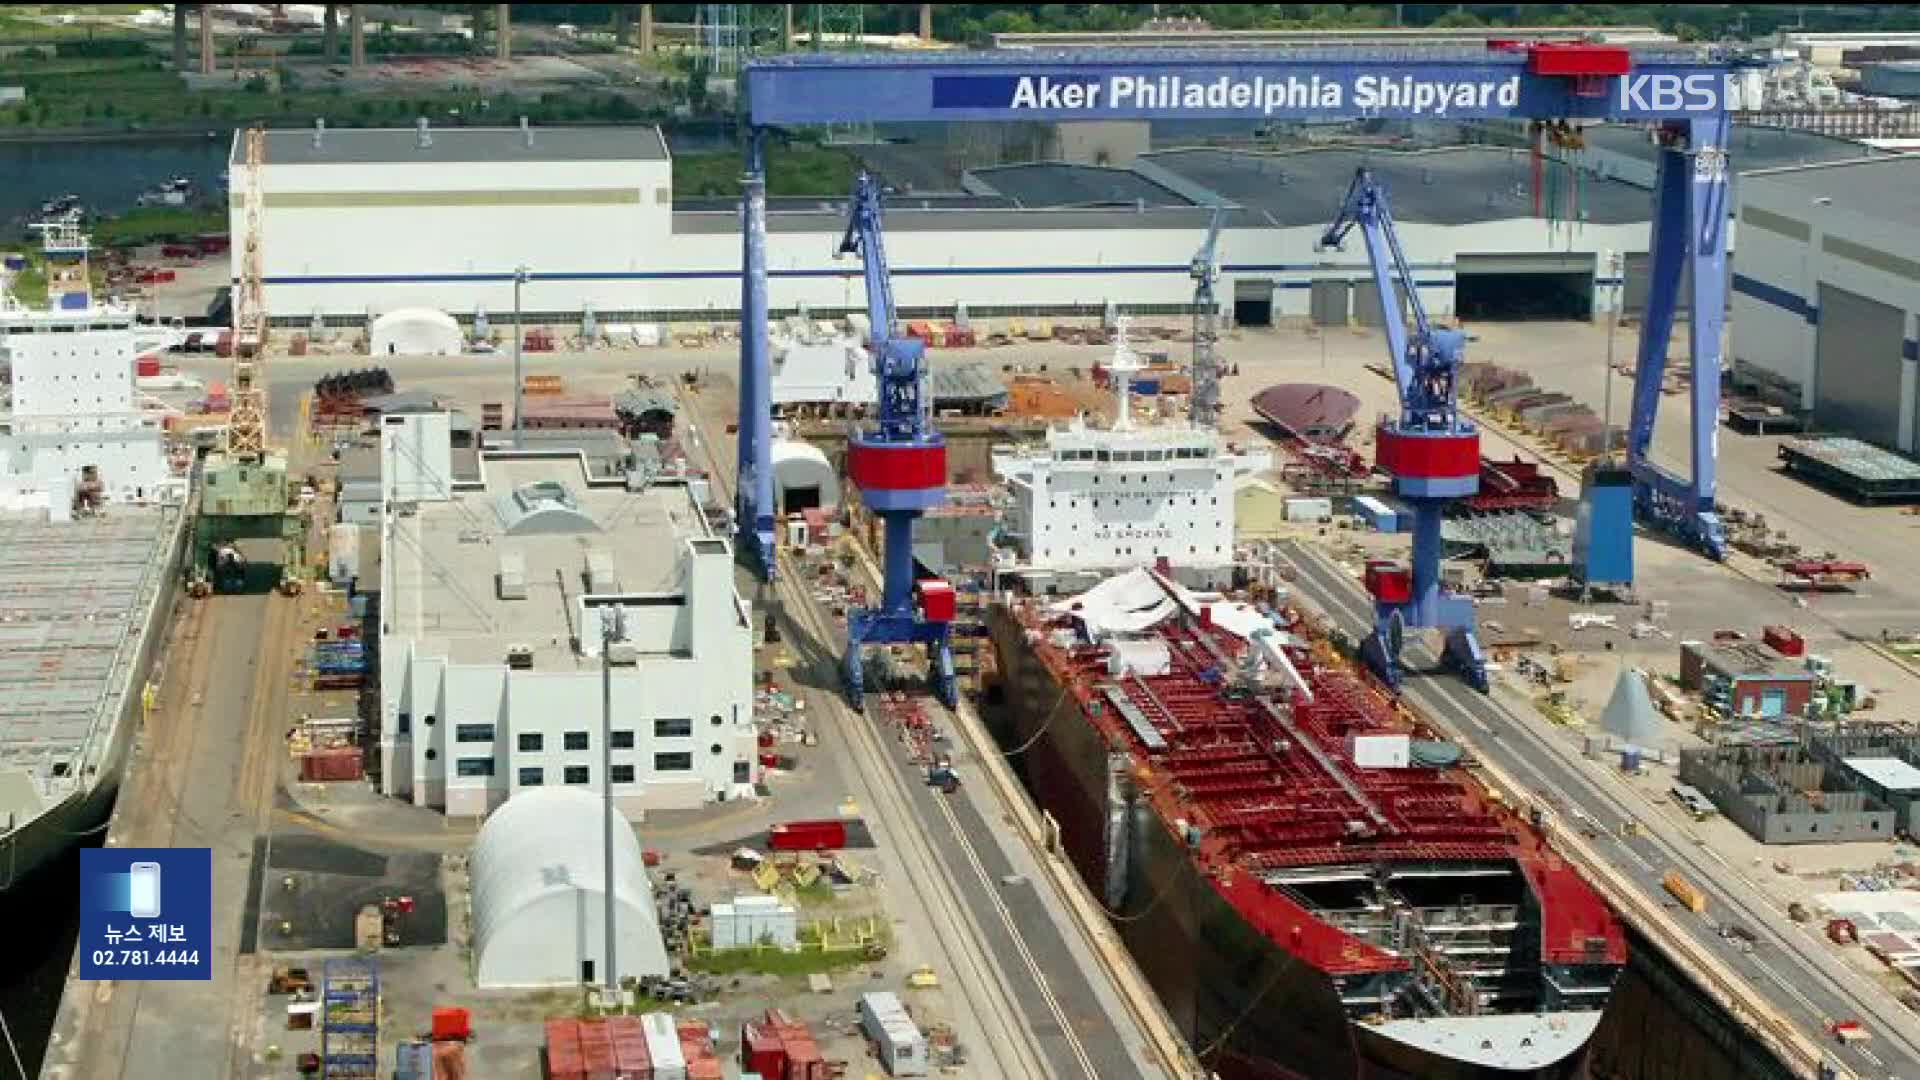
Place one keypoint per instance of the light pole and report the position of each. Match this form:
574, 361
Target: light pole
610, 631
519, 380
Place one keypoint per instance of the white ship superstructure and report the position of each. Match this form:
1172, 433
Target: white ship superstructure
73, 424
92, 523
1093, 500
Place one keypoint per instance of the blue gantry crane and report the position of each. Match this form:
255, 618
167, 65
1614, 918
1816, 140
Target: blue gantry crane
1430, 450
1204, 403
900, 467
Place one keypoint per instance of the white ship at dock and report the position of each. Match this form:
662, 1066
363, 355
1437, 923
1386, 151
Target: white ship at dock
92, 522
1092, 501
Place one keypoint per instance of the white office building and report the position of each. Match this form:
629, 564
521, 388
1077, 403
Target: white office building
497, 596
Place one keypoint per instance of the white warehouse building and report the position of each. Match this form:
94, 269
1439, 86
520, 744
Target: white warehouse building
495, 595
1826, 293
359, 223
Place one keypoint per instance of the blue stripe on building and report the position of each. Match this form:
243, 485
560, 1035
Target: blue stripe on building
506, 277
1784, 299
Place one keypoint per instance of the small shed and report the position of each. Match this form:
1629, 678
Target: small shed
746, 921
1259, 507
1746, 679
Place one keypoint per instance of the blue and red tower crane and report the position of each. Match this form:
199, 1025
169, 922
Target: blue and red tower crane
1430, 450
900, 467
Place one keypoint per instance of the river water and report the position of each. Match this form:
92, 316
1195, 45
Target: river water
107, 174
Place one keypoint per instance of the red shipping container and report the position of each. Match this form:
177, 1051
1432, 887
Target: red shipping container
763, 1052
322, 766
146, 366
449, 1061
1389, 582
564, 1059
820, 834
450, 1022
596, 1050
804, 1061
1785, 640
937, 601
632, 1061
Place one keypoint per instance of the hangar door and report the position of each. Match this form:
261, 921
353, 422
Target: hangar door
1636, 272
1330, 301
1366, 302
1856, 373
1524, 285
1253, 303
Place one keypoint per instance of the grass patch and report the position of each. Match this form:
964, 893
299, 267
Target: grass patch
799, 169
29, 286
773, 961
147, 224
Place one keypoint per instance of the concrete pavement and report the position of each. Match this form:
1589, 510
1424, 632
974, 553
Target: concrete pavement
1789, 966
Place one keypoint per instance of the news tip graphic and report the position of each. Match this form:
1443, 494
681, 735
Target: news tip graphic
146, 913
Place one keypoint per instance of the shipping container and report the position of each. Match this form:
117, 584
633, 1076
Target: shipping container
820, 834
1785, 640
324, 766
663, 1046
762, 1051
902, 1048
1308, 510
596, 1050
564, 1059
630, 1047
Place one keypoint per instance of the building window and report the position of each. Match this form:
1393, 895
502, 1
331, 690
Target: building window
717, 721
532, 742
473, 733
432, 753
577, 774
474, 766
428, 720
623, 740
532, 777
673, 729
405, 722
576, 740
623, 774
715, 750
742, 772
680, 762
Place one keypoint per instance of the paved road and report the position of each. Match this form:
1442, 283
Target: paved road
202, 776
1790, 965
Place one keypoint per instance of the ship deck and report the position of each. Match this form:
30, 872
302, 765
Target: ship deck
73, 598
1263, 777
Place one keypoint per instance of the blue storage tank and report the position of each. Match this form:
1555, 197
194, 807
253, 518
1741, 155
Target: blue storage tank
1630, 759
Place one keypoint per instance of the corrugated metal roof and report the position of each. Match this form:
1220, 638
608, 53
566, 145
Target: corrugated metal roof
1053, 184
963, 383
368, 146
1885, 188
1455, 186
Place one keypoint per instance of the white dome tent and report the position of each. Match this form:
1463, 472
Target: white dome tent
803, 477
538, 898
415, 332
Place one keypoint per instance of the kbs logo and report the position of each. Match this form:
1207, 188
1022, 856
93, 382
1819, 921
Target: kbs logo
1679, 93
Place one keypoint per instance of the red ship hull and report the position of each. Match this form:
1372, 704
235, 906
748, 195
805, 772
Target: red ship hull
1260, 987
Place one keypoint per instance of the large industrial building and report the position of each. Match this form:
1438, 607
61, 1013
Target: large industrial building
1826, 287
497, 594
360, 223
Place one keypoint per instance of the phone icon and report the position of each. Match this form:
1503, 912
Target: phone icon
143, 893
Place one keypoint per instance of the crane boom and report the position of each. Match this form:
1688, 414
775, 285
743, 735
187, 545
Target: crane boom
1204, 403
1426, 360
1431, 451
906, 409
246, 436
